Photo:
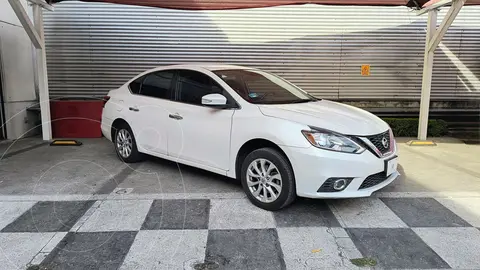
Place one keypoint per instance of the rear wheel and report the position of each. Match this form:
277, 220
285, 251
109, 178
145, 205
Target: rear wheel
125, 145
268, 179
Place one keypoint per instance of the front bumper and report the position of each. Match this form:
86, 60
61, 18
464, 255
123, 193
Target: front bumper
313, 166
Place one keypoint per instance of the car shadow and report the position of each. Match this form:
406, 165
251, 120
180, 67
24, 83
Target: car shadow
183, 169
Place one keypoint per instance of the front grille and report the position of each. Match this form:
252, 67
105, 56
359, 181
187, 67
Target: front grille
373, 180
378, 141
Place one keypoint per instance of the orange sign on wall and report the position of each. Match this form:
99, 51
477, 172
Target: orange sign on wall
365, 70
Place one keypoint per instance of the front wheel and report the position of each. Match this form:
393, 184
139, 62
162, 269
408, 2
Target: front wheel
267, 179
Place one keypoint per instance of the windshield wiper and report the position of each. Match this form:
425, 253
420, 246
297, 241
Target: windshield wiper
302, 101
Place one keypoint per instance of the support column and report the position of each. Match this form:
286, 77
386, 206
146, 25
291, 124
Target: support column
41, 62
427, 76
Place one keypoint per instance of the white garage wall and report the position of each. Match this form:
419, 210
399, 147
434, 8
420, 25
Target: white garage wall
17, 71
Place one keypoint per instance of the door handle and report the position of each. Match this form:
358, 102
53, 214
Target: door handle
133, 109
175, 116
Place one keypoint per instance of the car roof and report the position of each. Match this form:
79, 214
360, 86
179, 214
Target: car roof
208, 66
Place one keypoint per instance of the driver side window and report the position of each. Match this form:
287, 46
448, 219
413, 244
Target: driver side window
193, 85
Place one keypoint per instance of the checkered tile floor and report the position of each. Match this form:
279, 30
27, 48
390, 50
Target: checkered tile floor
405, 233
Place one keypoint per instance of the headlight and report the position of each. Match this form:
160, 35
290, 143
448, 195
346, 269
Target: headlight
332, 141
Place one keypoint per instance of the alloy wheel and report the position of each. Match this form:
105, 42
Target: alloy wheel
264, 180
124, 143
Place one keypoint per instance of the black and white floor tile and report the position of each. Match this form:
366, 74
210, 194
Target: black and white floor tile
398, 233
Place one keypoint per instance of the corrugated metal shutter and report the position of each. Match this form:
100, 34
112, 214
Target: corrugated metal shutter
92, 48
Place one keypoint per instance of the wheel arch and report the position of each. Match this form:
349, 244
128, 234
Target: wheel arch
252, 145
117, 123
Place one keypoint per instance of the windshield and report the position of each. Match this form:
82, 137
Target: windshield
260, 87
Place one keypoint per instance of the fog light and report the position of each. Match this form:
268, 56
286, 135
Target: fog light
340, 184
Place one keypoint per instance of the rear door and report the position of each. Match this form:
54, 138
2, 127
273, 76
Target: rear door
148, 111
199, 134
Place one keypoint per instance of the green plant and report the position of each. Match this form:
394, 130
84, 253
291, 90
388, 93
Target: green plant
363, 262
408, 127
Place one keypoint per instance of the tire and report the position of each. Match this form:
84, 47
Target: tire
121, 131
282, 169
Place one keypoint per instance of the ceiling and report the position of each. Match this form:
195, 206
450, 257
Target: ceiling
236, 4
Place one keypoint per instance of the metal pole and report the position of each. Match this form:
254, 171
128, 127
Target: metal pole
447, 21
427, 76
42, 75
26, 23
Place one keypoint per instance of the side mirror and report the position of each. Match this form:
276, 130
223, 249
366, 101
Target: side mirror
214, 100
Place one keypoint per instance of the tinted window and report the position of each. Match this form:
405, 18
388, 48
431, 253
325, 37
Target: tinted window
135, 85
192, 86
158, 84
260, 87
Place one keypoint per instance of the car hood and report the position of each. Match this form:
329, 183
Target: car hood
329, 115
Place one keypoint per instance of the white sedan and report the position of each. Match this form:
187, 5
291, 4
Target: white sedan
278, 140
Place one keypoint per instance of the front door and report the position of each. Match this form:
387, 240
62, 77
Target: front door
198, 133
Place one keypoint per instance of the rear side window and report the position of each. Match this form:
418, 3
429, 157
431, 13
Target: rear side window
193, 85
158, 84
135, 85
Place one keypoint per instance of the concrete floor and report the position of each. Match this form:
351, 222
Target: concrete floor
31, 167
451, 166
81, 208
